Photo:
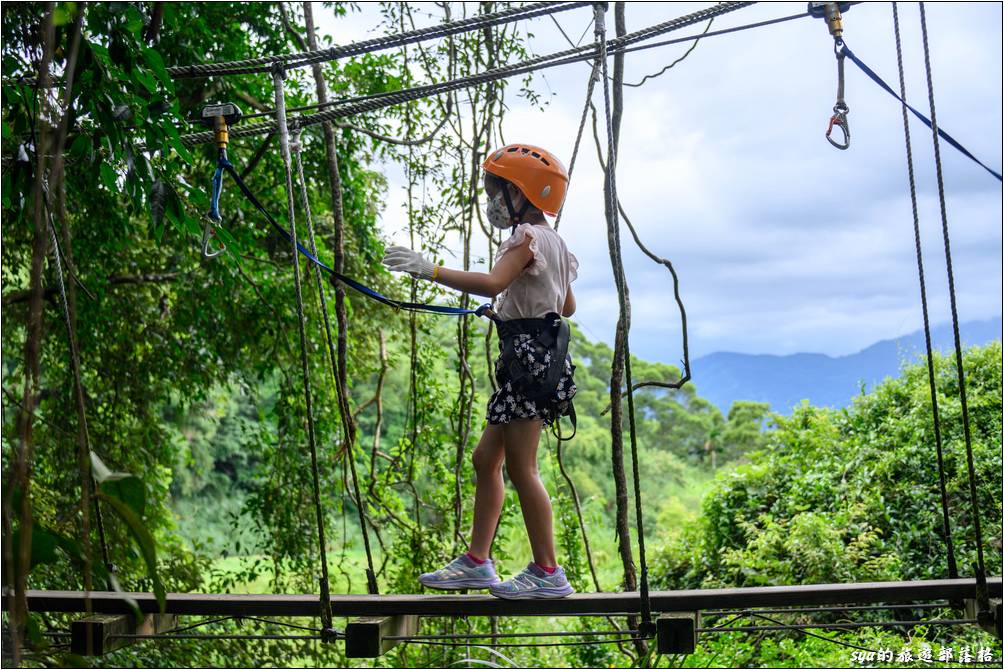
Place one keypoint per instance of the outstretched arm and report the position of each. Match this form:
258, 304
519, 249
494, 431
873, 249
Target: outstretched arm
488, 284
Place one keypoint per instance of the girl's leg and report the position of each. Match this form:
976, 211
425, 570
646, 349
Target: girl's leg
521, 439
489, 491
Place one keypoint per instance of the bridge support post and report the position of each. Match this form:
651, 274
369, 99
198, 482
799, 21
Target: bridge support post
992, 625
97, 634
366, 637
676, 632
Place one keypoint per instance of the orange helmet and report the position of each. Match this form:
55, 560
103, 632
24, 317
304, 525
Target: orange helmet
536, 172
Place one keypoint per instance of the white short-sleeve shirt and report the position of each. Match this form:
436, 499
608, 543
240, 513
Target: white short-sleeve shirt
543, 284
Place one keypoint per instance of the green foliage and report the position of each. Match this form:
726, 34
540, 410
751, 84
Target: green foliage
194, 395
853, 495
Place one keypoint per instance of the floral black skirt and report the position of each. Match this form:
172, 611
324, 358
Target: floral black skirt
509, 404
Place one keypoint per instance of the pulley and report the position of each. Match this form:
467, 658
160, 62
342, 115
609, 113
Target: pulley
219, 117
831, 11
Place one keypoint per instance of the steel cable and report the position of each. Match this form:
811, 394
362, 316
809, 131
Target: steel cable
302, 59
379, 101
582, 125
953, 571
981, 576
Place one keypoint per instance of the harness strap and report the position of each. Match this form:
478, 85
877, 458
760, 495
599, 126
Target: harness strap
559, 349
337, 276
945, 136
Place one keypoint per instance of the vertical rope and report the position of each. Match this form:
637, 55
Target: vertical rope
83, 437
278, 77
953, 571
611, 194
296, 148
582, 125
981, 591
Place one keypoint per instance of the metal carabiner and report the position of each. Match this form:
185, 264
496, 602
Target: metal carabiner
213, 218
208, 232
839, 118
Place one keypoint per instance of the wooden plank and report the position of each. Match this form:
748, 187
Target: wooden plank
366, 637
97, 634
676, 633
580, 604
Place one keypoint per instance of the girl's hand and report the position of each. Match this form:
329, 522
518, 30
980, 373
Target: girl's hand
403, 259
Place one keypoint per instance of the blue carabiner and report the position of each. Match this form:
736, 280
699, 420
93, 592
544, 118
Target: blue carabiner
213, 218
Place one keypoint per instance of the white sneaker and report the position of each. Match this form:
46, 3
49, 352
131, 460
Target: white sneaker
534, 582
461, 573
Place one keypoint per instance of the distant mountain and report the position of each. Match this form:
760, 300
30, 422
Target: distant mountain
784, 381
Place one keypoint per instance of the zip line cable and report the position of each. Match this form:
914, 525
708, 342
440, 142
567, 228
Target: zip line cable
381, 100
297, 60
953, 571
982, 597
574, 45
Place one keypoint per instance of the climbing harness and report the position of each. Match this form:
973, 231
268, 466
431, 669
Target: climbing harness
831, 12
223, 165
549, 337
219, 117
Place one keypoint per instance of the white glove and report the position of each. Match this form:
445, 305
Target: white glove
403, 259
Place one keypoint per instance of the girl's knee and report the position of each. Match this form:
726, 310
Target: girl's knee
486, 461
522, 477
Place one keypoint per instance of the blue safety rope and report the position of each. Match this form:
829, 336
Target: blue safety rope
214, 207
214, 201
945, 136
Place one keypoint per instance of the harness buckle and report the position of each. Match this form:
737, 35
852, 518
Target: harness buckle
487, 311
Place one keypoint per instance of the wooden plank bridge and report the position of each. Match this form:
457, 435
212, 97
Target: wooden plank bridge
579, 604
382, 621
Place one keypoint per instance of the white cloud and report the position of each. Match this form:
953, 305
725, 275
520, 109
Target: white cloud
782, 243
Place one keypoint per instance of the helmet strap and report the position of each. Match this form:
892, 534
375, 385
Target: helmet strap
513, 214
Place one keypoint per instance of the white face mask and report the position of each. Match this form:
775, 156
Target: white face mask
497, 213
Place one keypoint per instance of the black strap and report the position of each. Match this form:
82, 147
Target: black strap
559, 351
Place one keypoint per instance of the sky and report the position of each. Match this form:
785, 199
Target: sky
782, 243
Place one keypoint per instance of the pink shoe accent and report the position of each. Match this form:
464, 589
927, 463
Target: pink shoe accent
548, 570
474, 559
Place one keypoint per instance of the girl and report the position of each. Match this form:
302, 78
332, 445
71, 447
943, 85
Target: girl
530, 286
